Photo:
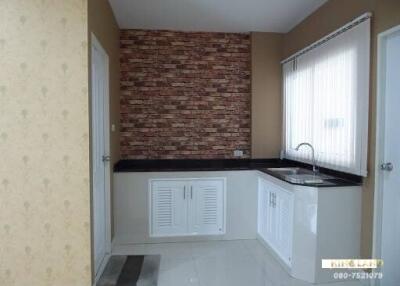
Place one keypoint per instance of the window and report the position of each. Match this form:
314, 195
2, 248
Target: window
326, 93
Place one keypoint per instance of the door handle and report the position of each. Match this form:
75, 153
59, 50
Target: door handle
184, 192
387, 167
106, 158
191, 192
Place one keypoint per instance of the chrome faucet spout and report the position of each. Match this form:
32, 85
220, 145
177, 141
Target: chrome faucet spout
315, 167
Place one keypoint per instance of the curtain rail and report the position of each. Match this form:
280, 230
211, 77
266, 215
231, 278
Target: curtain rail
330, 36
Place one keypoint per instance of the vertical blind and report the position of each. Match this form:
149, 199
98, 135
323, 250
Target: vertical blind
326, 92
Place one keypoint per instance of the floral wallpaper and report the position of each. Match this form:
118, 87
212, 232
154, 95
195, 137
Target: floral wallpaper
44, 144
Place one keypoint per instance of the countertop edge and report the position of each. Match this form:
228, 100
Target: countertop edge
215, 165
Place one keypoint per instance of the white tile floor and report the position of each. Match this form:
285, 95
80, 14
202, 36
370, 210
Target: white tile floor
218, 263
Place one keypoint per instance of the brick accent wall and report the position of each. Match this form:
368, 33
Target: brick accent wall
184, 94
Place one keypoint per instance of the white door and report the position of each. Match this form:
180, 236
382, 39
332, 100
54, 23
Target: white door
271, 218
391, 155
270, 215
283, 205
276, 218
99, 96
169, 208
206, 207
263, 205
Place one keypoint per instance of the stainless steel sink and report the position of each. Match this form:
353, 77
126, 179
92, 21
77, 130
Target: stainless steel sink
299, 175
290, 171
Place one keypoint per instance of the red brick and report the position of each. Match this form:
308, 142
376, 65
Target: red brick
184, 94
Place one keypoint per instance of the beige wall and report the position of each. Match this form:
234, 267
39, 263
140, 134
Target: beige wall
266, 103
329, 17
44, 144
103, 25
332, 15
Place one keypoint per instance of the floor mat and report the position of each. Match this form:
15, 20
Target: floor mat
131, 270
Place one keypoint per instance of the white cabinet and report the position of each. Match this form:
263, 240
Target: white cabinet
275, 218
168, 208
302, 225
283, 206
206, 207
182, 207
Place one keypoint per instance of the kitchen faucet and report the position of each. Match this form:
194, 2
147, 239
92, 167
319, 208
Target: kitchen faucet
315, 168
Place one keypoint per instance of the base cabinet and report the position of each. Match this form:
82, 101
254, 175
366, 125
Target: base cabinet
275, 223
169, 208
302, 225
206, 205
182, 207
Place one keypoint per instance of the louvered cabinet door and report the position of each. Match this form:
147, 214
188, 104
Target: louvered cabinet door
168, 208
207, 207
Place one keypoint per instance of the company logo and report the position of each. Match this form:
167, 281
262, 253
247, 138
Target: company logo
351, 263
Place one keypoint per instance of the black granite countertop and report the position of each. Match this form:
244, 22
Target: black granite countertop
196, 165
179, 165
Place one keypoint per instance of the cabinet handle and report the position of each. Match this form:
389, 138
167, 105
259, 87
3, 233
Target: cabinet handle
191, 192
270, 202
273, 200
184, 192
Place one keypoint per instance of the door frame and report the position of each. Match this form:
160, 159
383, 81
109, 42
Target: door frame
107, 176
379, 153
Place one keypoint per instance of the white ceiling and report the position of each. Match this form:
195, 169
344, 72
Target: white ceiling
213, 15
